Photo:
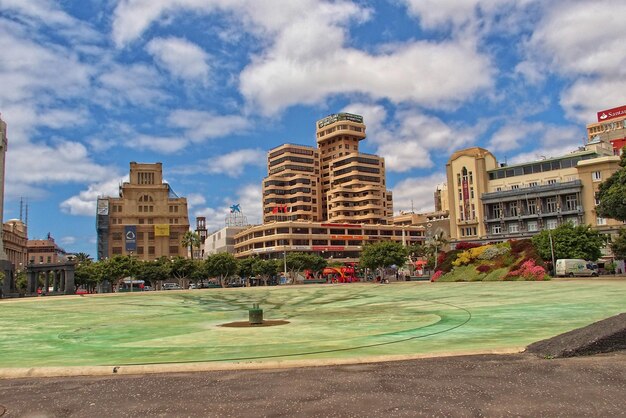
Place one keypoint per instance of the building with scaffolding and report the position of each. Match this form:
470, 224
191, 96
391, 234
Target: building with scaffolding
147, 220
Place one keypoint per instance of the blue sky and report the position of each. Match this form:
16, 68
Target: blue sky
208, 86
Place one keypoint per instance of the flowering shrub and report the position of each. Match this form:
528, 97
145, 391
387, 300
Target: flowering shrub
528, 271
521, 246
483, 268
492, 252
436, 276
466, 245
468, 256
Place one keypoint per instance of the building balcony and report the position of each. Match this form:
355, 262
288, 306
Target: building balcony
547, 190
538, 215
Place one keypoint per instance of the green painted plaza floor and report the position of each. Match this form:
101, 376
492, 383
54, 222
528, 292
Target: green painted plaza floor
325, 321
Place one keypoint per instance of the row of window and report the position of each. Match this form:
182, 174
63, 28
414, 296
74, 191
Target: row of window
282, 183
145, 177
301, 151
540, 167
117, 236
292, 159
173, 250
552, 204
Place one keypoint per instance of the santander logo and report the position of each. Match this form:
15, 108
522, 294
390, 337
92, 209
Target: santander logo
616, 112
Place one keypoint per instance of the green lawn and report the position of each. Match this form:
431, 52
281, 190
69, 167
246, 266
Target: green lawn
326, 321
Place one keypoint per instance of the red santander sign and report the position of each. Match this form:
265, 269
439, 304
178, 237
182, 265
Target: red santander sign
616, 112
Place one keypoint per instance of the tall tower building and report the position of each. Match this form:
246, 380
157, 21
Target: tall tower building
291, 191
333, 182
353, 184
147, 220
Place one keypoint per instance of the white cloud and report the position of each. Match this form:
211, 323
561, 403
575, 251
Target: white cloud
409, 139
582, 41
201, 125
248, 196
36, 70
417, 193
67, 240
543, 139
162, 145
195, 199
136, 84
234, 163
471, 16
307, 57
437, 75
181, 58
84, 203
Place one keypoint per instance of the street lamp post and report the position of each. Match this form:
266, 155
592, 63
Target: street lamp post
552, 252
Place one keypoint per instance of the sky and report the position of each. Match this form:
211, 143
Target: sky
207, 87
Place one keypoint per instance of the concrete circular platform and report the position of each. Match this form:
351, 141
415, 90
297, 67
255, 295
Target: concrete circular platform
329, 324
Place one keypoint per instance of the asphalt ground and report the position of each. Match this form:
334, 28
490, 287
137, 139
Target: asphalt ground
468, 386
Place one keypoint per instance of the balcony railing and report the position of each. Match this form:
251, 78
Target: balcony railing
566, 187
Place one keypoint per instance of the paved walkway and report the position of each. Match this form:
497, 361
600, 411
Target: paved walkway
489, 385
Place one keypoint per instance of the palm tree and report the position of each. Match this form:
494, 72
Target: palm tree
191, 240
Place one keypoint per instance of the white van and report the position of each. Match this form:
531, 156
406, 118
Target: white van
571, 267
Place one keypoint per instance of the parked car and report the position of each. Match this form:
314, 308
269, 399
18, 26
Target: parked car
171, 286
571, 267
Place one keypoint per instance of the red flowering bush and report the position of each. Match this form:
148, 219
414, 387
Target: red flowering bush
528, 271
436, 276
466, 245
483, 268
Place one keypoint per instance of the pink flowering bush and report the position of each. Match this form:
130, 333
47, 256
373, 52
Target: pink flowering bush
527, 271
436, 276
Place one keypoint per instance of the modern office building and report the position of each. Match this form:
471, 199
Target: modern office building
147, 220
492, 202
15, 238
610, 128
333, 241
222, 241
328, 200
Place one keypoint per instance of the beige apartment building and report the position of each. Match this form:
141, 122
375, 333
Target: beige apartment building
45, 251
147, 220
333, 182
329, 200
15, 238
491, 201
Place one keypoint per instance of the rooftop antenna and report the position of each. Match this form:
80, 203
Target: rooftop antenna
412, 211
21, 209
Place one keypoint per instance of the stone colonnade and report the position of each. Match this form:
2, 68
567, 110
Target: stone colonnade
58, 276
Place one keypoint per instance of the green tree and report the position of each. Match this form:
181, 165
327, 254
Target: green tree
267, 268
182, 269
116, 268
221, 265
190, 240
154, 271
245, 267
612, 193
569, 242
297, 262
383, 254
618, 245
